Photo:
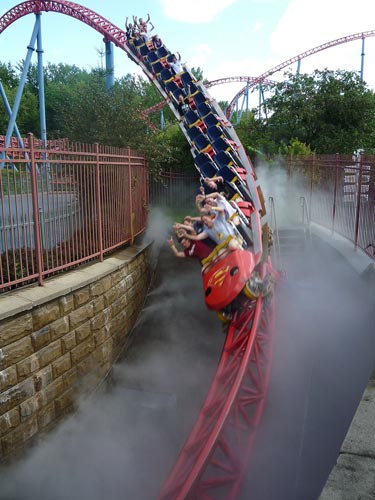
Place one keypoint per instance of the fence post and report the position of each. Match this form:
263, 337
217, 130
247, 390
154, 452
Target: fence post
358, 205
98, 201
131, 200
34, 194
335, 192
311, 184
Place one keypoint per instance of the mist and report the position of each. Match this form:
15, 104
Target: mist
323, 356
123, 439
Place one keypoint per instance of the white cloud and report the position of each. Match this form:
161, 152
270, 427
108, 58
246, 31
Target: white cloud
195, 11
199, 55
306, 26
258, 26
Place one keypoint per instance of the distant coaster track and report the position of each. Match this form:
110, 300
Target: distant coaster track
220, 81
262, 78
213, 461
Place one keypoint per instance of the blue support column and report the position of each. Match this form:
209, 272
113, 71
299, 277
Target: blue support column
8, 109
298, 67
362, 57
162, 120
42, 104
260, 101
30, 49
247, 96
245, 103
109, 65
264, 107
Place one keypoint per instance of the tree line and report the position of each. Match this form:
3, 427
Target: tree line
324, 112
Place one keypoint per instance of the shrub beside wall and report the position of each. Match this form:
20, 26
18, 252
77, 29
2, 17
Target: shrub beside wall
59, 341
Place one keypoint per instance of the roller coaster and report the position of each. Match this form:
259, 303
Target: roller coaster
214, 458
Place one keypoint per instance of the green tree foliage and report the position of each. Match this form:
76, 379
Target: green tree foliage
328, 111
8, 75
325, 112
254, 136
179, 149
296, 148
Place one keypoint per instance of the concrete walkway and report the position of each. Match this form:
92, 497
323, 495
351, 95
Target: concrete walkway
353, 477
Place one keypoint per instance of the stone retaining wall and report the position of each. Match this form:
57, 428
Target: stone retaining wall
58, 341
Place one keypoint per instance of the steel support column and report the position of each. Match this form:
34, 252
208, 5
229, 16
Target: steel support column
42, 105
362, 57
30, 49
109, 65
8, 109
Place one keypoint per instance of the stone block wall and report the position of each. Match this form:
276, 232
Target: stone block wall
59, 341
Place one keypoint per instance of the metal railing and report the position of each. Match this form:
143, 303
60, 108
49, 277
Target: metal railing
174, 190
340, 190
305, 216
274, 227
60, 208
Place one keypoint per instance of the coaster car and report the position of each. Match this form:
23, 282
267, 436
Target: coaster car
225, 274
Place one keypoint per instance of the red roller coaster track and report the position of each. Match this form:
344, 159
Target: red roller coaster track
261, 78
252, 80
213, 461
220, 81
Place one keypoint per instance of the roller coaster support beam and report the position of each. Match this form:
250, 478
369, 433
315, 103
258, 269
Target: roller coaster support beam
42, 106
109, 65
261, 103
162, 120
8, 109
362, 57
30, 49
239, 112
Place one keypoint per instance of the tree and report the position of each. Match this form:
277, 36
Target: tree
328, 111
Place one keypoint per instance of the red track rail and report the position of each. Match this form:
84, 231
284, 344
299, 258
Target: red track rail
110, 31
217, 452
307, 53
252, 80
214, 458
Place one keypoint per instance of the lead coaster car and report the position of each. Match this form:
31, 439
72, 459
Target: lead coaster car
225, 276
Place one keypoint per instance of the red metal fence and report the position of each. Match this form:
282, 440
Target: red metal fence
340, 193
60, 208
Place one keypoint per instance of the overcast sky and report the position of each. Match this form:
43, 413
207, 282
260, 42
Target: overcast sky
225, 38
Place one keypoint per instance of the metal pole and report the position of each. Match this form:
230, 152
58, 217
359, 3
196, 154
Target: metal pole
335, 192
260, 101
98, 202
109, 65
247, 97
298, 67
162, 120
35, 203
362, 57
263, 100
358, 207
311, 185
21, 85
42, 105
8, 109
